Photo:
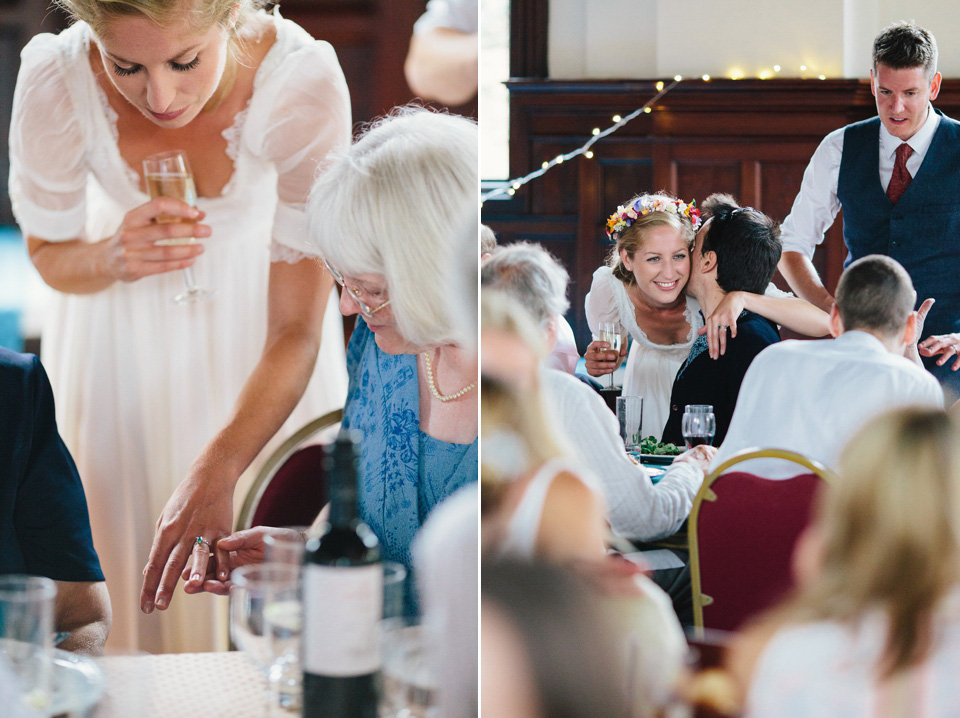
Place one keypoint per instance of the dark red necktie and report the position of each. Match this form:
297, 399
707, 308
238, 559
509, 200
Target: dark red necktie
900, 179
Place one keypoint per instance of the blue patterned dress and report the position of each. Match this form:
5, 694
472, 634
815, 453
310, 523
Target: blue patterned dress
404, 472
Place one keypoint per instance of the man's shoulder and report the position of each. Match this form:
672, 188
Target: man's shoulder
754, 330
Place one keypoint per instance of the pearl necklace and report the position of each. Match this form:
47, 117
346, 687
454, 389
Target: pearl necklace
433, 387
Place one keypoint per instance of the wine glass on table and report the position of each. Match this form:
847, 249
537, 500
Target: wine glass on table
699, 425
612, 333
168, 174
265, 621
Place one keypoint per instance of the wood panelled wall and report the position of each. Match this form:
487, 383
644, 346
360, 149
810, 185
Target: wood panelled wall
750, 138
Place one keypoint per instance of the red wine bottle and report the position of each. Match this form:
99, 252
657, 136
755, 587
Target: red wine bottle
342, 600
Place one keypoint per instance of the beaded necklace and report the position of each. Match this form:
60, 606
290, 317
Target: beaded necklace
433, 387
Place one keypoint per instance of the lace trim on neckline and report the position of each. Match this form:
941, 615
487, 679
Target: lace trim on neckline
112, 116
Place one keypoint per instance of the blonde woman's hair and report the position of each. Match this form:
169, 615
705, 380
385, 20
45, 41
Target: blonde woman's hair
391, 203
203, 13
891, 531
516, 409
632, 238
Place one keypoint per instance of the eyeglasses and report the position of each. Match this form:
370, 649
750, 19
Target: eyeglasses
355, 292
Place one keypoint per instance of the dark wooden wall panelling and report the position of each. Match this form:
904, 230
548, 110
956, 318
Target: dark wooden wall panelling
751, 138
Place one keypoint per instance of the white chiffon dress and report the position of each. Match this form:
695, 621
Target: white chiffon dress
651, 368
141, 384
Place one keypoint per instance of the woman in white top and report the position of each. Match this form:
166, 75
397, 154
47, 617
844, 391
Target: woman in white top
875, 627
147, 391
642, 288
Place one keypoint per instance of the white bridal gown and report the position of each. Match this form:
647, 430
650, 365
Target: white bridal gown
142, 384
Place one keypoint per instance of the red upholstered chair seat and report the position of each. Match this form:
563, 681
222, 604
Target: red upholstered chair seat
743, 529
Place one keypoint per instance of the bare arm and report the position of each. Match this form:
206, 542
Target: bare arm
202, 504
442, 65
83, 610
572, 524
76, 266
797, 314
803, 279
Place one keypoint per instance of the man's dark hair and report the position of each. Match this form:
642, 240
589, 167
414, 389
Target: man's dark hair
875, 294
903, 46
746, 242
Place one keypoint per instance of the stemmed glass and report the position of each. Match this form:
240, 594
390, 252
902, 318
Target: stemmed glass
698, 425
265, 622
168, 174
612, 333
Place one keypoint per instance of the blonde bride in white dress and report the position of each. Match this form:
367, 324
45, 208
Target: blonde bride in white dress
147, 391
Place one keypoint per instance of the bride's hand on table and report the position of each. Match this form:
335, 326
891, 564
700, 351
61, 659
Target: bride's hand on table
133, 252
237, 549
723, 317
200, 506
600, 359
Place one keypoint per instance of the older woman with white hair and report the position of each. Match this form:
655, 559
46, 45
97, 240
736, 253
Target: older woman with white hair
384, 216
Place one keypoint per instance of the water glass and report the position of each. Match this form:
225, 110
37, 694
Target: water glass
26, 635
265, 623
630, 416
409, 674
284, 548
699, 425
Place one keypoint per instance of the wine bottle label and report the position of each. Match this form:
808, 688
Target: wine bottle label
342, 610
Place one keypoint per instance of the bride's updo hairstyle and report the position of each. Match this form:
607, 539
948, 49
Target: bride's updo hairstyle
628, 226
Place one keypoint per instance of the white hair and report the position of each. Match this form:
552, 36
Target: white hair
392, 204
532, 276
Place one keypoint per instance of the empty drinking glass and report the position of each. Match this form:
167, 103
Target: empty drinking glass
26, 635
629, 414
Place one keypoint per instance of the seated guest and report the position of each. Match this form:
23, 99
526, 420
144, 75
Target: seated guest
835, 385
636, 508
385, 235
564, 354
736, 249
44, 525
875, 627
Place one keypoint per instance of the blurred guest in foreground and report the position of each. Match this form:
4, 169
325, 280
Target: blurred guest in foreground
538, 505
875, 626
444, 52
44, 526
547, 648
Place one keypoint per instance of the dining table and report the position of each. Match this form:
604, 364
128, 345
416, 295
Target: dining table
181, 684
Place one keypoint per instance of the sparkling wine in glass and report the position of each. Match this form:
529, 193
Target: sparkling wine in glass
168, 174
699, 425
612, 333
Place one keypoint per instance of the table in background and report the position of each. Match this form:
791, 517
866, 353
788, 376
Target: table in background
182, 684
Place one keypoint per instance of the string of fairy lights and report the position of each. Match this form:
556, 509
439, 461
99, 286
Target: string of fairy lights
510, 187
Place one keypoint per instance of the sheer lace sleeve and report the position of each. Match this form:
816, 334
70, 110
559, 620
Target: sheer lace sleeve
48, 168
601, 302
300, 111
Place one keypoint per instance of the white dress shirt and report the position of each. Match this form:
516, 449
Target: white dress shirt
636, 507
811, 396
816, 205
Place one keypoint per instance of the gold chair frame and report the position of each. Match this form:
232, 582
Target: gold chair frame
276, 460
706, 493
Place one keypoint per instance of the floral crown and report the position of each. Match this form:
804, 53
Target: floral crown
625, 216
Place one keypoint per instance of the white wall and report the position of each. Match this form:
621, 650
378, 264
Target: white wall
607, 39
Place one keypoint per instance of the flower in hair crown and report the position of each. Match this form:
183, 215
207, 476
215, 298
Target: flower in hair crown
625, 216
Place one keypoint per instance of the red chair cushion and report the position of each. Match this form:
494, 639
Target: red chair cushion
745, 543
296, 493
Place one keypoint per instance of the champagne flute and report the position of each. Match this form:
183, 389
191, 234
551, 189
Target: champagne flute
612, 333
168, 174
699, 424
